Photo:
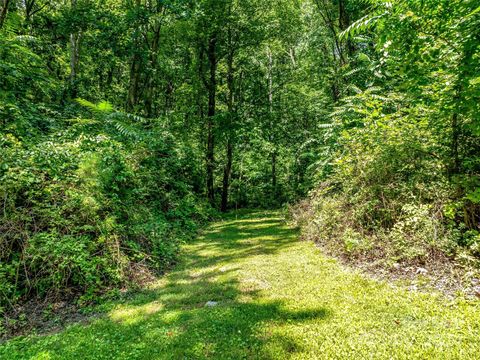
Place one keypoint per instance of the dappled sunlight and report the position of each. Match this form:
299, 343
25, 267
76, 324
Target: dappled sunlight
257, 292
239, 179
131, 315
170, 319
210, 271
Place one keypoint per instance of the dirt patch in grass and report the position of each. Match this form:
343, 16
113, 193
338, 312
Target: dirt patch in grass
43, 317
442, 274
53, 314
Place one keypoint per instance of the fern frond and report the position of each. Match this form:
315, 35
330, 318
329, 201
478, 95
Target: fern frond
365, 23
137, 118
105, 106
25, 38
86, 103
364, 57
326, 126
373, 89
477, 10
307, 143
379, 97
338, 112
355, 89
101, 107
352, 72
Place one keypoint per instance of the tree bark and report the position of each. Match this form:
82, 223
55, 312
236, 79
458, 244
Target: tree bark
135, 70
133, 87
226, 176
154, 48
74, 57
274, 174
273, 154
212, 88
3, 11
229, 147
344, 23
31, 9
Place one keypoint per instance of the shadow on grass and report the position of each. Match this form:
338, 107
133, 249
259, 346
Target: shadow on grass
171, 321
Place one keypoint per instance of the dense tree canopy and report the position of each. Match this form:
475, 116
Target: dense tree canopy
125, 124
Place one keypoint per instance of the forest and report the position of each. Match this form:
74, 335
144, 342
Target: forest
128, 126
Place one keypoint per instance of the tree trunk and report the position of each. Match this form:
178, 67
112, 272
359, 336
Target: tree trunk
274, 174
344, 23
169, 88
273, 154
228, 166
133, 87
74, 57
226, 176
3, 11
455, 127
212, 87
135, 71
150, 83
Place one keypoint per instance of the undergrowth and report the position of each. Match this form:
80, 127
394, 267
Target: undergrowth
83, 209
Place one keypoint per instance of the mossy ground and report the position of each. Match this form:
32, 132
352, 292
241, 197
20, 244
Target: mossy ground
278, 298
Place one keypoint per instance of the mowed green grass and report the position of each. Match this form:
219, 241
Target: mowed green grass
278, 298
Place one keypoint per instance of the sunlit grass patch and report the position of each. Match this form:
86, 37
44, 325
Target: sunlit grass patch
131, 315
274, 298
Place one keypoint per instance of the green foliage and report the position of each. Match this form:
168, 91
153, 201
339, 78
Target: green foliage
405, 174
120, 120
78, 208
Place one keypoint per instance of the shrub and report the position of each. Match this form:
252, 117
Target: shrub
79, 209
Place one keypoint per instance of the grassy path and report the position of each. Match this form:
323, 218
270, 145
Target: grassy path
277, 298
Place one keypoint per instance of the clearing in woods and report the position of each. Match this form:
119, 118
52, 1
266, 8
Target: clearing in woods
270, 297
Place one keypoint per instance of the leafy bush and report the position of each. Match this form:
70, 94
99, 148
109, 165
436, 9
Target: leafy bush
79, 208
403, 182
